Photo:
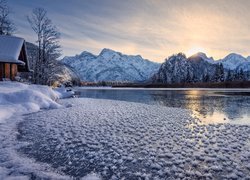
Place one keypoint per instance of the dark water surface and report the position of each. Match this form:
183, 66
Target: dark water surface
211, 106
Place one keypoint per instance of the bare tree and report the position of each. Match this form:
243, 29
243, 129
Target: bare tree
6, 25
48, 44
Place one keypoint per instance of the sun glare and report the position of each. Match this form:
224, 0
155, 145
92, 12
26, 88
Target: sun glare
195, 50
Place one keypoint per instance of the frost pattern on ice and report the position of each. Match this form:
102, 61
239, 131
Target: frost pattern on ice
118, 140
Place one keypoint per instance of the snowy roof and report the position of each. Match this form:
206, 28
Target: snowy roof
10, 48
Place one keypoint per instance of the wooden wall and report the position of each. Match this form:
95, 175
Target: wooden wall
13, 71
8, 71
1, 71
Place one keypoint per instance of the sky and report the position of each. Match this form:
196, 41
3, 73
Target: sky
154, 29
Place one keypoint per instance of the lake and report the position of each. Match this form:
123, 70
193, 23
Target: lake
209, 105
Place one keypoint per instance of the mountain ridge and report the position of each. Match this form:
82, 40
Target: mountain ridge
111, 65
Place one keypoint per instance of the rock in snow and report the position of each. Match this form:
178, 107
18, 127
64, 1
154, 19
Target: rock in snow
110, 65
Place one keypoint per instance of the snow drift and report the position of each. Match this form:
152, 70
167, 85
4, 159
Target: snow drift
18, 98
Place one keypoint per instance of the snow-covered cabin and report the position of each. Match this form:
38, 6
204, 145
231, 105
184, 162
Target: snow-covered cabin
13, 57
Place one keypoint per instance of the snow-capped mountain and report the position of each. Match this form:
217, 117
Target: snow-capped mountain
204, 57
234, 61
110, 65
178, 69
248, 58
199, 68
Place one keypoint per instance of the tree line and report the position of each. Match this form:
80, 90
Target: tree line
47, 49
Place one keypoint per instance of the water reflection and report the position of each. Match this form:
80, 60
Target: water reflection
208, 105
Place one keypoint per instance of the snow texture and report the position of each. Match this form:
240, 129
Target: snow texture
123, 140
111, 66
10, 48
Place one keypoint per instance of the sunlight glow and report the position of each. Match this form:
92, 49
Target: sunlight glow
195, 50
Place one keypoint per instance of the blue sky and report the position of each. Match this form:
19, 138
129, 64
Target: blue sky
154, 29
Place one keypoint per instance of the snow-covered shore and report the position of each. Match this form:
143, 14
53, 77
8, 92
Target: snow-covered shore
106, 139
16, 101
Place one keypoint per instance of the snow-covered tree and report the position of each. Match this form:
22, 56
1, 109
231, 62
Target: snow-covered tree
32, 54
205, 78
6, 25
230, 76
48, 45
241, 75
219, 73
188, 78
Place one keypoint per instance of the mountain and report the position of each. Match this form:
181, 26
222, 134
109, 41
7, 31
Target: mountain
199, 68
234, 61
110, 65
178, 69
203, 56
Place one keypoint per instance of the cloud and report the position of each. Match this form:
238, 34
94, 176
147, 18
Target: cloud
153, 28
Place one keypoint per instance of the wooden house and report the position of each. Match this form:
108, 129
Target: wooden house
13, 57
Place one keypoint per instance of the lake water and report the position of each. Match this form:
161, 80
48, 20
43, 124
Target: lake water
211, 106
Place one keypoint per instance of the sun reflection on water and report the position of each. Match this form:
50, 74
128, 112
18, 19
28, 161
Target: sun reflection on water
207, 106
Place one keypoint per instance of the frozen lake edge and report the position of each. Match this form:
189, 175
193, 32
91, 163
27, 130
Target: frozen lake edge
156, 141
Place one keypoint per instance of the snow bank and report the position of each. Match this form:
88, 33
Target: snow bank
17, 98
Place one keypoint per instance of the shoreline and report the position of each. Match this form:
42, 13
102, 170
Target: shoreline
170, 89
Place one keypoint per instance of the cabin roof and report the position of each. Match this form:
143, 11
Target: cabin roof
10, 48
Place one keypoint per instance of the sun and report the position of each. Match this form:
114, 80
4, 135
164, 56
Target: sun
195, 50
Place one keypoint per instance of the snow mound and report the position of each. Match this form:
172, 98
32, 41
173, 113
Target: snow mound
18, 98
